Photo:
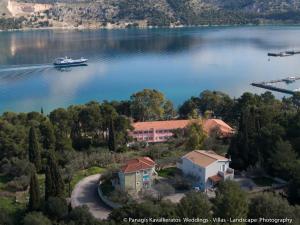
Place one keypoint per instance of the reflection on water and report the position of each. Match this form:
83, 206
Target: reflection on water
179, 62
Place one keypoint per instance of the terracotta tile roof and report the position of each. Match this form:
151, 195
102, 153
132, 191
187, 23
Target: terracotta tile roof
209, 126
168, 124
220, 126
217, 178
204, 158
138, 164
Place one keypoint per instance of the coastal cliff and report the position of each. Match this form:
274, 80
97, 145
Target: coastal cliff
144, 13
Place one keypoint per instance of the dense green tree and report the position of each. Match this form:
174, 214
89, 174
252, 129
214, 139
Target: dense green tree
195, 205
81, 215
283, 160
230, 202
34, 193
148, 105
111, 136
133, 210
195, 135
217, 102
169, 111
90, 119
36, 218
61, 120
296, 99
47, 133
5, 217
294, 186
122, 107
269, 205
243, 150
34, 150
189, 109
56, 208
293, 134
54, 185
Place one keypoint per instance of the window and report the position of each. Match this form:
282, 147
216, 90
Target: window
223, 168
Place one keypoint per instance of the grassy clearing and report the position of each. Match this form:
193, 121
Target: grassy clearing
167, 172
263, 181
79, 175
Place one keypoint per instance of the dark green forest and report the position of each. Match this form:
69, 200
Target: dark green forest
55, 146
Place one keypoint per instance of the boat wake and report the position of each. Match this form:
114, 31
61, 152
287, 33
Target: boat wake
21, 68
15, 73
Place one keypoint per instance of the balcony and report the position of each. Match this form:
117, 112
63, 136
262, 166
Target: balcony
228, 174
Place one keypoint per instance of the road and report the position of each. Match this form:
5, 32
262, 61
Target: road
85, 193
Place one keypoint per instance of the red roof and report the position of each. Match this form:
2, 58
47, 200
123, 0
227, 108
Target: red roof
138, 164
219, 126
168, 125
209, 126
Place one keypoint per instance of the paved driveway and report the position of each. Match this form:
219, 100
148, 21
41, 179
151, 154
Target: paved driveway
175, 198
85, 193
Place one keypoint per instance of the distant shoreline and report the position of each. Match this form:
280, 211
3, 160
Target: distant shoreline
149, 27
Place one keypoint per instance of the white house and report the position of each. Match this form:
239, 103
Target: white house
206, 167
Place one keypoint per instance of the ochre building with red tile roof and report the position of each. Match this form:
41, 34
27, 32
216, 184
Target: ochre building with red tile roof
136, 175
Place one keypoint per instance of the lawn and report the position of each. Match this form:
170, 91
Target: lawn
263, 181
168, 172
79, 175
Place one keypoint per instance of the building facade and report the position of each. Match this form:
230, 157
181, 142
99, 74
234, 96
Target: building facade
137, 175
161, 131
205, 168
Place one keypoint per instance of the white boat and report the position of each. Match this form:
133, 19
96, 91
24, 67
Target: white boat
68, 62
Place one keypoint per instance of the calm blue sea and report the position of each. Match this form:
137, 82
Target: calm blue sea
179, 62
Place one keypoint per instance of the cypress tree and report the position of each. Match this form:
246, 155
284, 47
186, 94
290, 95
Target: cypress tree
34, 193
54, 185
111, 136
47, 133
33, 149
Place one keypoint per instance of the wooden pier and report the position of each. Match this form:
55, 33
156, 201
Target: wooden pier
273, 88
268, 85
283, 54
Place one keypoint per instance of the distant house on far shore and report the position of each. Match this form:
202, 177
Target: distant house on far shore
161, 131
206, 167
136, 175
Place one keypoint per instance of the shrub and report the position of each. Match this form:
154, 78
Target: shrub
36, 218
56, 208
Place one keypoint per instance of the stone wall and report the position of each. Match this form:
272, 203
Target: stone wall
107, 201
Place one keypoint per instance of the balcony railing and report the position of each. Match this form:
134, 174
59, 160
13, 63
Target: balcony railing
228, 173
